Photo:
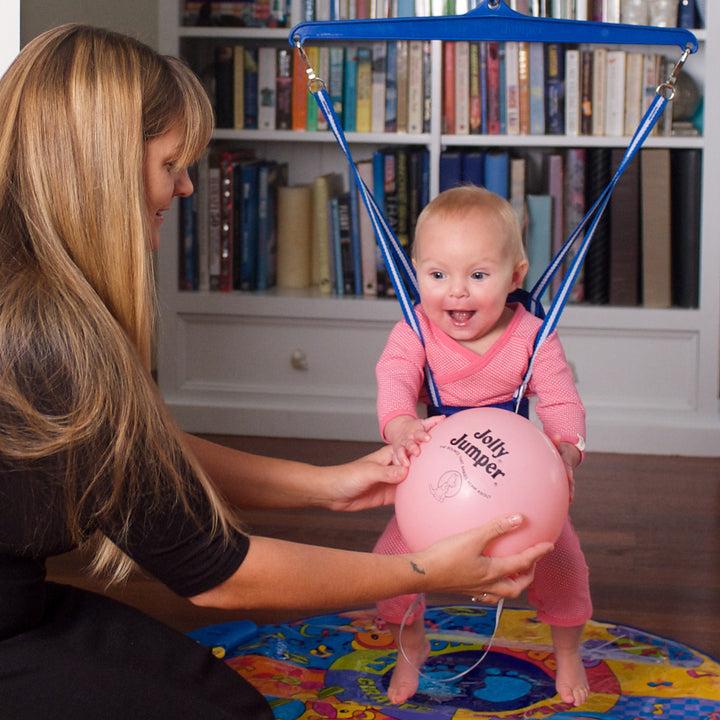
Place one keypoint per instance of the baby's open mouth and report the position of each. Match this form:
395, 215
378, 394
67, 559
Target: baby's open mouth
460, 316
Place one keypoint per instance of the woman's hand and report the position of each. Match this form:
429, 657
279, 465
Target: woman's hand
456, 564
365, 483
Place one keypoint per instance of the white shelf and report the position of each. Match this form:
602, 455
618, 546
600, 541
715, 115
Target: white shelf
228, 362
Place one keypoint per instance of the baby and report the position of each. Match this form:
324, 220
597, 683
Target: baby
468, 254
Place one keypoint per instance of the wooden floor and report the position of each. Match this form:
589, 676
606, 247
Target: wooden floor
649, 525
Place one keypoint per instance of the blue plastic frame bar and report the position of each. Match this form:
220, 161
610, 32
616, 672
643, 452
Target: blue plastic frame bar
493, 20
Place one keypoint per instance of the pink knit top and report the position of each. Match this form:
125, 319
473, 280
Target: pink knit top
466, 379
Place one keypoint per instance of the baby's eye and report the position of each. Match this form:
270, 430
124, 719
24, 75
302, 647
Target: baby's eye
437, 275
478, 275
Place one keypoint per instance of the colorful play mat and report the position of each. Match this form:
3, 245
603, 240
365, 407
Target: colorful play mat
339, 666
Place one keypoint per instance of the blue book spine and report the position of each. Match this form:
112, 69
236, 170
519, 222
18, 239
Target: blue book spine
248, 268
450, 170
379, 178
355, 211
554, 89
188, 279
335, 85
263, 228
473, 171
496, 173
350, 95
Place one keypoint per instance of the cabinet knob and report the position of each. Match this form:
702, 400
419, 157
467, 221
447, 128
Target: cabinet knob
298, 360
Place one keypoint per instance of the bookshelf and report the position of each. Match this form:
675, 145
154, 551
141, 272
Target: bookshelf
295, 363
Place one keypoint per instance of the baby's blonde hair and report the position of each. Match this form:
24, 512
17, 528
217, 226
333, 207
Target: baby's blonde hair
458, 201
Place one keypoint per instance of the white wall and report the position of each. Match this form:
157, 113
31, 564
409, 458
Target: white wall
9, 32
138, 18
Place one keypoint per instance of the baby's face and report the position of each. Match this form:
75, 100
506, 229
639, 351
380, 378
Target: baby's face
465, 271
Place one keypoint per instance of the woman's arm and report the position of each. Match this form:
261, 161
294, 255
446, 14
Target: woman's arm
284, 575
256, 482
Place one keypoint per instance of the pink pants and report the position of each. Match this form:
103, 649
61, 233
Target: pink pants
560, 590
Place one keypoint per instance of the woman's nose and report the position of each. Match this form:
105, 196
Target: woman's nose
183, 184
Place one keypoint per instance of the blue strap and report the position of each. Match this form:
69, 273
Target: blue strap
402, 274
589, 224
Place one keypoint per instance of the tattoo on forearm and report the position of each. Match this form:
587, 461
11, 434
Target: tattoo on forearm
417, 569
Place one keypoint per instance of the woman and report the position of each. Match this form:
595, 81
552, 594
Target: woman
97, 133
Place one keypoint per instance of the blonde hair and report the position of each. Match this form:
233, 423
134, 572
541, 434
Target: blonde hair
77, 302
459, 201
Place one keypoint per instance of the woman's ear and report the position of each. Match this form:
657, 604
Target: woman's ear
519, 273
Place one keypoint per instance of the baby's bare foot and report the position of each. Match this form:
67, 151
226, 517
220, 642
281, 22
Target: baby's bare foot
406, 675
571, 681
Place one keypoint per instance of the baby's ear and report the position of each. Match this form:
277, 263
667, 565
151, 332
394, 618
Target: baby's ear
519, 273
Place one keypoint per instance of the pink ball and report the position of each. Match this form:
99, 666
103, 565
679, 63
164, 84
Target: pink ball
480, 464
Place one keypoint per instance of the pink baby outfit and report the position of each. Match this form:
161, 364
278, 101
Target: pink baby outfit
560, 590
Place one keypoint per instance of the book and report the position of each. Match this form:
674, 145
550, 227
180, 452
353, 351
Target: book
537, 88
227, 218
615, 93
450, 170
283, 90
415, 87
325, 187
267, 79
246, 262
224, 77
363, 121
323, 72
368, 244
350, 90
294, 236
599, 78
493, 88
344, 259
686, 216
418, 186
651, 73
656, 227
379, 75
200, 177
475, 122
625, 234
462, 88
524, 87
517, 190
355, 234
512, 90
633, 92
300, 94
188, 260
403, 49
538, 239
586, 91
238, 91
427, 92
214, 222
556, 190
313, 111
473, 168
449, 87
554, 89
391, 89
597, 260
496, 172
572, 92
271, 176
250, 88
575, 211
336, 80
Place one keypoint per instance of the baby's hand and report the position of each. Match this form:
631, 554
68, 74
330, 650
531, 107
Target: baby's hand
571, 459
406, 434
